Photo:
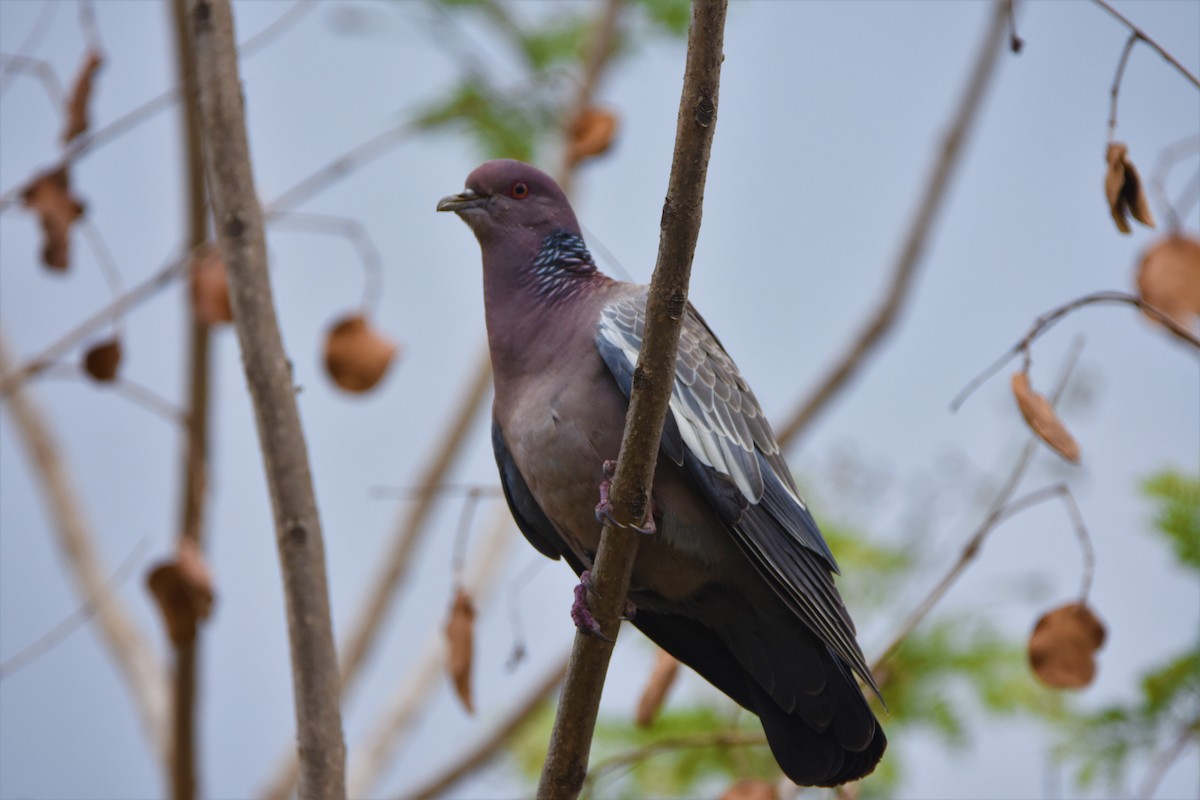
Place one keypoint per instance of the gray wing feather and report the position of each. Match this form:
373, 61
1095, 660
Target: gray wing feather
716, 429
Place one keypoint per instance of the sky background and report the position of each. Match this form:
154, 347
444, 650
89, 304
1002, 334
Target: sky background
830, 117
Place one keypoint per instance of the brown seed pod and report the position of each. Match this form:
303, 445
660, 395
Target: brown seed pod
1042, 419
102, 360
183, 588
81, 95
49, 196
210, 287
1124, 189
1169, 278
356, 355
460, 632
1063, 645
591, 134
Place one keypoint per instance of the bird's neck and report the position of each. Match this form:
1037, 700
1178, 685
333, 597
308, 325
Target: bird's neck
528, 308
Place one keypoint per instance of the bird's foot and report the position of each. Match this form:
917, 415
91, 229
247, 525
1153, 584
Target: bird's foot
581, 615
604, 509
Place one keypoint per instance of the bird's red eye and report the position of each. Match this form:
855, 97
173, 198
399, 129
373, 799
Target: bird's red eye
519, 190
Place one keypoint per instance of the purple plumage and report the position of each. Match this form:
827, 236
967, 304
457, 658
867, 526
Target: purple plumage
737, 581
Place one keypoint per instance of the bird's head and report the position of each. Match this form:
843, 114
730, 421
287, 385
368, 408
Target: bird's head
510, 200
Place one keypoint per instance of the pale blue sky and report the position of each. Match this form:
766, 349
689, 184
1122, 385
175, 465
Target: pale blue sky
830, 117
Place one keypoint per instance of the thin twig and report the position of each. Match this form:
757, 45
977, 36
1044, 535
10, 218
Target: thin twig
414, 491
1167, 158
480, 754
415, 692
1015, 42
90, 141
239, 224
1115, 91
996, 512
884, 318
355, 233
125, 642
600, 48
11, 378
670, 744
1061, 491
77, 618
570, 740
126, 388
30, 43
108, 265
1141, 34
41, 69
193, 472
1048, 320
1163, 762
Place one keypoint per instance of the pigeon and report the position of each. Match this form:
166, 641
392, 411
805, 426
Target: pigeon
733, 577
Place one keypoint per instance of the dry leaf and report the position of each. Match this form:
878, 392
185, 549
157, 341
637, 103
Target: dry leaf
210, 287
184, 591
662, 676
591, 133
1123, 186
460, 632
748, 789
1169, 278
81, 93
356, 355
1063, 644
102, 360
49, 195
1043, 420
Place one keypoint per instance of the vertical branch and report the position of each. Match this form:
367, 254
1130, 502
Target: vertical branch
884, 318
195, 460
571, 738
238, 219
127, 645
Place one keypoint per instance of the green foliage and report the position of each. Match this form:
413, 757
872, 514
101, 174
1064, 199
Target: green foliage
672, 16
1177, 515
502, 127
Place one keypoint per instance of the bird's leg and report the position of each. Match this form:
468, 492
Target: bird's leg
581, 615
604, 509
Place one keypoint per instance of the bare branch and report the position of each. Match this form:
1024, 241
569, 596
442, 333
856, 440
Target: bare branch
29, 44
1115, 91
884, 318
353, 231
239, 224
1166, 759
570, 741
600, 48
997, 511
670, 744
480, 754
1141, 34
125, 642
1061, 491
415, 692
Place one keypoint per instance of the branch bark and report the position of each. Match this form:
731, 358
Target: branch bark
128, 646
184, 771
238, 220
570, 741
884, 318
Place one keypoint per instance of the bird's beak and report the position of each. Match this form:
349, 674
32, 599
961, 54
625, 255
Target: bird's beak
468, 198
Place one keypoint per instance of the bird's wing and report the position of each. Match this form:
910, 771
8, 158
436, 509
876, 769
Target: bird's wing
717, 431
530, 518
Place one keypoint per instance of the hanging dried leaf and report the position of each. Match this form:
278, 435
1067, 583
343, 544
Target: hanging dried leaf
1043, 420
1124, 189
662, 677
1169, 278
49, 196
460, 632
591, 134
356, 355
81, 93
1063, 644
184, 591
748, 789
210, 287
102, 360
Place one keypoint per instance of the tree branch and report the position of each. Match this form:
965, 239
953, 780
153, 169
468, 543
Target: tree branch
129, 647
883, 320
566, 761
1141, 34
268, 373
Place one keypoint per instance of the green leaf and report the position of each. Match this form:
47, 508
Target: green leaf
672, 16
1177, 515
